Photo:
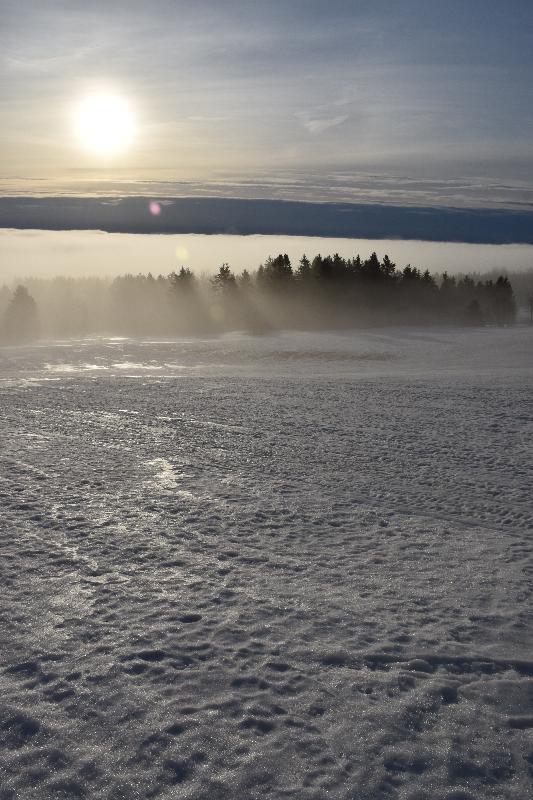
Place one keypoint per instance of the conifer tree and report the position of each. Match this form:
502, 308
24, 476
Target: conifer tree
21, 319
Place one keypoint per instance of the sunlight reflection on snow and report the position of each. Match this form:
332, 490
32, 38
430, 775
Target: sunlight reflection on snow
74, 367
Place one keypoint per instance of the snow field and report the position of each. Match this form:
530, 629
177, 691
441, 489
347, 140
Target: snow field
286, 567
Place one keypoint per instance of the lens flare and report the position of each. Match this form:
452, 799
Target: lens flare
182, 254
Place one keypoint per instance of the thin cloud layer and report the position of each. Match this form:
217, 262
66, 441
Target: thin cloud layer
368, 188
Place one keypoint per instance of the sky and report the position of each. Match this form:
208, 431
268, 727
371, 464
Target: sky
414, 101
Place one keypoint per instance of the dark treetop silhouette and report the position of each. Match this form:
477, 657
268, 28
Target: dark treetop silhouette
325, 292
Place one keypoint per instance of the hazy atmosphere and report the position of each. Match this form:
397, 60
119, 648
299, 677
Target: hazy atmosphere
266, 370
85, 253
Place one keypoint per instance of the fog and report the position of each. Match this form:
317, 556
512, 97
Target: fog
37, 253
322, 293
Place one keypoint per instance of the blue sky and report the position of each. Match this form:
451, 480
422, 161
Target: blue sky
287, 92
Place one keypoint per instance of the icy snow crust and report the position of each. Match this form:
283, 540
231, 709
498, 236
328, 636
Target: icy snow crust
293, 566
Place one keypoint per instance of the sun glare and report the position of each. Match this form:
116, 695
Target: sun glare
104, 123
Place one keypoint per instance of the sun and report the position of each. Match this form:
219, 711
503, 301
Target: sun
104, 123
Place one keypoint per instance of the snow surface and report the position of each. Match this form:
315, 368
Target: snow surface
292, 566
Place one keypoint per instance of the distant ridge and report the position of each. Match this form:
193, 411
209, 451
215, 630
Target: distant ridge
208, 215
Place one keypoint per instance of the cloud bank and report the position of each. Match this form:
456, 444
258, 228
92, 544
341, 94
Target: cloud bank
218, 215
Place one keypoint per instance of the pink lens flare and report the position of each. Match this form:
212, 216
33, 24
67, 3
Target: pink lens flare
155, 208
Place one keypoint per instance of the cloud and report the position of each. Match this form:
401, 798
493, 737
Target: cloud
209, 215
208, 119
319, 125
303, 185
47, 63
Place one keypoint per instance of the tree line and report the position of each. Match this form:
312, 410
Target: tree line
325, 292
